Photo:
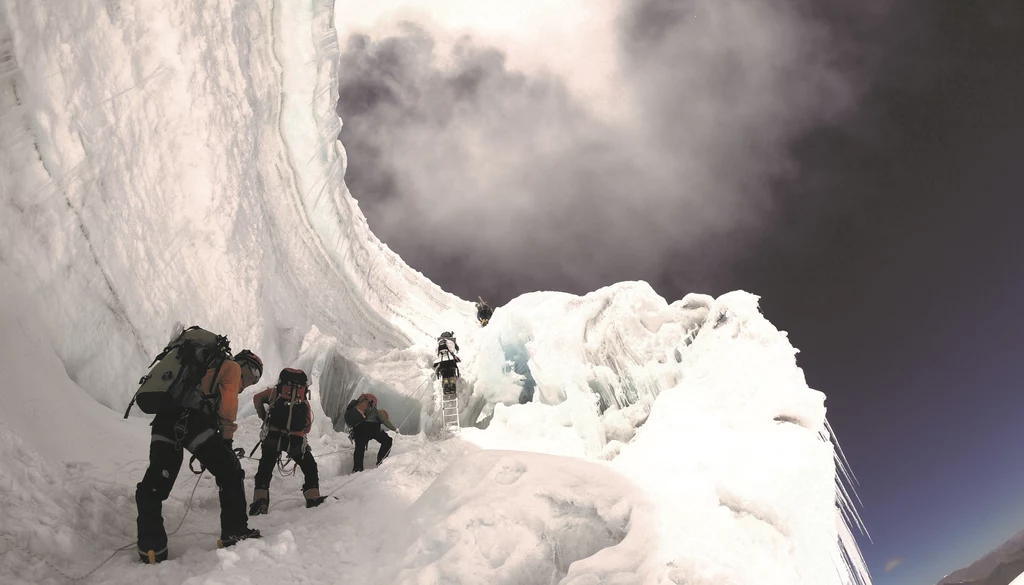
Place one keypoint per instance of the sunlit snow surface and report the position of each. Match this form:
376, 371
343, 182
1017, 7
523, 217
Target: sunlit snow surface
176, 162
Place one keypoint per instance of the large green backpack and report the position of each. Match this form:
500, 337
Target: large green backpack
175, 374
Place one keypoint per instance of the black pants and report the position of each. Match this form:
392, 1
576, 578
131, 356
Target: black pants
296, 448
362, 435
195, 431
447, 369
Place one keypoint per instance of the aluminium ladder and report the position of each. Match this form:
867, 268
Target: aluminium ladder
450, 413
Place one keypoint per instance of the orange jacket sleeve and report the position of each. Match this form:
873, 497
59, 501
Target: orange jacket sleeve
260, 400
228, 384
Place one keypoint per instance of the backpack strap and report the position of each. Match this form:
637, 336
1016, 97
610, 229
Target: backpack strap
131, 404
212, 400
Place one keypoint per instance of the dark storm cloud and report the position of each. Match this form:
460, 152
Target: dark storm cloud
467, 167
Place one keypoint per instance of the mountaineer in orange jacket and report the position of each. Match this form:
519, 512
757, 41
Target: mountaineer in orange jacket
207, 433
285, 425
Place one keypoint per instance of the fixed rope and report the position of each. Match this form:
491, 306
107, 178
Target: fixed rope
417, 393
125, 548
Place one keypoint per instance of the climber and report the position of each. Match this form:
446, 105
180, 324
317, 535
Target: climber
206, 430
285, 426
483, 312
365, 420
446, 366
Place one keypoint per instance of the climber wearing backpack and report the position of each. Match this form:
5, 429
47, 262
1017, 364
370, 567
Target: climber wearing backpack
446, 366
193, 391
483, 312
365, 420
285, 425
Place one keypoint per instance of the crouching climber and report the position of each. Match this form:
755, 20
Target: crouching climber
285, 425
366, 421
483, 312
446, 366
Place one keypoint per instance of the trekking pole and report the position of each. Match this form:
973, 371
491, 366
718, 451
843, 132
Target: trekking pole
254, 448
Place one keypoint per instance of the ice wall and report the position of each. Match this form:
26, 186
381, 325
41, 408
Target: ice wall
177, 161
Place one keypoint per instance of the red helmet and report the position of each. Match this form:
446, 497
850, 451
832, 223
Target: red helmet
293, 377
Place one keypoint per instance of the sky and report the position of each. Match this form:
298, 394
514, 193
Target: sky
859, 168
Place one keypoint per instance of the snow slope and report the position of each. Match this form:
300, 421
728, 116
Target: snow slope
167, 162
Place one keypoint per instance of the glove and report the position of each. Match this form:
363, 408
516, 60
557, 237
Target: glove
230, 444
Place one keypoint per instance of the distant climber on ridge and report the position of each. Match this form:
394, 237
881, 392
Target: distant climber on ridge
483, 312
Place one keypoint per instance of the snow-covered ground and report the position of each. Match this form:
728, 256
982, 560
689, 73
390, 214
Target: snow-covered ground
176, 162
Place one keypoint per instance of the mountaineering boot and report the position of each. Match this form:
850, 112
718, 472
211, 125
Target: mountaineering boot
313, 497
448, 385
259, 507
233, 539
260, 502
152, 557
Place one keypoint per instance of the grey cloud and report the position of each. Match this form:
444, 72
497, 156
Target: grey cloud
471, 170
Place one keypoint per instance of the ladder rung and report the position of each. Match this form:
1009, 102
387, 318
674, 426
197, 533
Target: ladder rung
450, 414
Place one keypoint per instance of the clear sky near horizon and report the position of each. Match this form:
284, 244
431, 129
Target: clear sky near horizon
859, 167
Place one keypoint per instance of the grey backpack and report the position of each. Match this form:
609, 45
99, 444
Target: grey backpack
174, 378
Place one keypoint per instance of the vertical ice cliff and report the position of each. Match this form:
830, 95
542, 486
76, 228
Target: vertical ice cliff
168, 162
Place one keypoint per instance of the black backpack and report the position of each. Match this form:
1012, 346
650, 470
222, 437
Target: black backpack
175, 374
353, 416
289, 403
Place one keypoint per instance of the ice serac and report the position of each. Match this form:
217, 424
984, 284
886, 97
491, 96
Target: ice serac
702, 404
168, 162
